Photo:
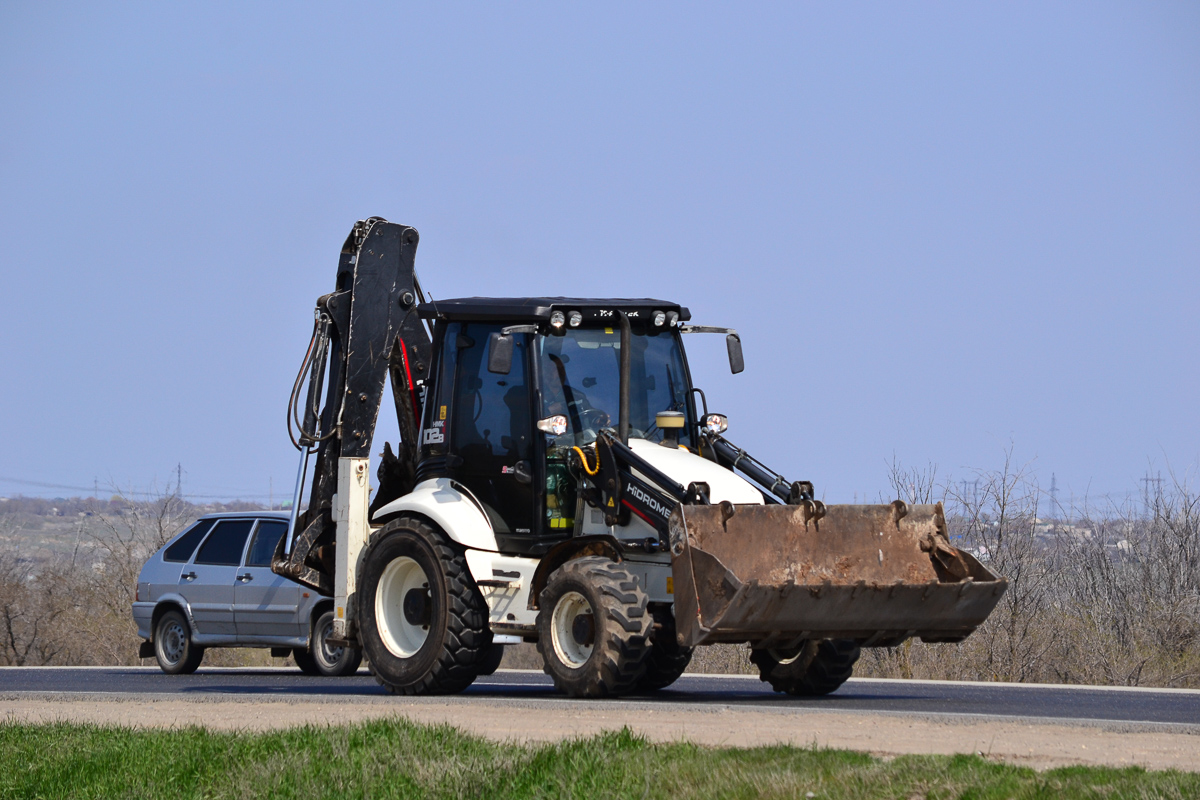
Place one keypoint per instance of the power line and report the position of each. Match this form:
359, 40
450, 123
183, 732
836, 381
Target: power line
43, 485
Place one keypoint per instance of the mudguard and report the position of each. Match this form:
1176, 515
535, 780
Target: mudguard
452, 508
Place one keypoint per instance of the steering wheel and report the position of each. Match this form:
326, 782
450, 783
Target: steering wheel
594, 418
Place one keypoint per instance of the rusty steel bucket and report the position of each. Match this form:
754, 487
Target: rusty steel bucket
773, 575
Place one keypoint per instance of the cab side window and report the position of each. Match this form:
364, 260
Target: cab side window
491, 412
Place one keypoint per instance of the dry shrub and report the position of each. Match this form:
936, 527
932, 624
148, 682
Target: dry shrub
1105, 599
1112, 597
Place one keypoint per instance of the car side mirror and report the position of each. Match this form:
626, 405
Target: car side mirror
500, 354
734, 345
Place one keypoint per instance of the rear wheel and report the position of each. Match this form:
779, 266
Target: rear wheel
667, 659
174, 649
491, 660
593, 628
815, 667
422, 621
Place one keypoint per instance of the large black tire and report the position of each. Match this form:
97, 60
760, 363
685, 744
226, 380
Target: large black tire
491, 660
593, 628
667, 659
816, 667
323, 658
174, 649
422, 621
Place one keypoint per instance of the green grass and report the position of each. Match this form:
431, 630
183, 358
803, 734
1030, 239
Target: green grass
395, 758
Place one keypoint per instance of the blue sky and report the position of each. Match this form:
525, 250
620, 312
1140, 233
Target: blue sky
942, 229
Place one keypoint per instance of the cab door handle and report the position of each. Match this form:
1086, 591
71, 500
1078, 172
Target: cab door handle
188, 576
521, 472
246, 577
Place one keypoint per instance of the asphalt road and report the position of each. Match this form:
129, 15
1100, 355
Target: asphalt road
695, 691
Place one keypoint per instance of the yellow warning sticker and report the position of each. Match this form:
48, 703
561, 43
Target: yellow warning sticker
670, 586
341, 612
608, 331
442, 412
610, 502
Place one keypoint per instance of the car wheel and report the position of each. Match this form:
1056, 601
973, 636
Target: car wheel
328, 659
174, 649
305, 661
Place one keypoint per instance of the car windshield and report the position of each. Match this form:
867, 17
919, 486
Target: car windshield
580, 373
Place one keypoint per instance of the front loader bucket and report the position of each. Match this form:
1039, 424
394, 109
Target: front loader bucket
772, 575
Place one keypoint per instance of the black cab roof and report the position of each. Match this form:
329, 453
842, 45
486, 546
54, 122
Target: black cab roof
539, 309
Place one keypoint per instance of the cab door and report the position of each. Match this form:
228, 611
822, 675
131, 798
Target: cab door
487, 421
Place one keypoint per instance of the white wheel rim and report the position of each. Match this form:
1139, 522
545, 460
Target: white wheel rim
572, 653
402, 638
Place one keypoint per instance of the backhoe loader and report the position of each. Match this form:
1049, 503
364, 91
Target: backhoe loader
559, 479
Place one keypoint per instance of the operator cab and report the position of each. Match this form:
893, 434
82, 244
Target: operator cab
505, 434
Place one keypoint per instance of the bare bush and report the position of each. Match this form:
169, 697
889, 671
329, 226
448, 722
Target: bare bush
1110, 596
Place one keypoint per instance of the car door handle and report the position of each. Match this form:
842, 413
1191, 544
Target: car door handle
522, 473
246, 577
188, 576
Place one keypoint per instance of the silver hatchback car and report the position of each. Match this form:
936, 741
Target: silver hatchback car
212, 586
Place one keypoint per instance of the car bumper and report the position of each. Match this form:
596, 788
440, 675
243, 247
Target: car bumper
143, 614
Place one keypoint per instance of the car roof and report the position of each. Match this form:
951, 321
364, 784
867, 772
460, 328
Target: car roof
538, 309
243, 514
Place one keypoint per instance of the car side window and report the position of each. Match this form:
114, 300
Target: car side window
266, 539
185, 545
224, 545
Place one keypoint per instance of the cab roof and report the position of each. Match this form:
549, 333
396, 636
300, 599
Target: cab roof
538, 309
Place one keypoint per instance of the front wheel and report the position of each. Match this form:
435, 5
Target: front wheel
324, 658
422, 621
174, 649
593, 628
815, 667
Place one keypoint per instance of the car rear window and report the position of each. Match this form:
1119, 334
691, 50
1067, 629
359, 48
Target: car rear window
185, 545
266, 537
224, 545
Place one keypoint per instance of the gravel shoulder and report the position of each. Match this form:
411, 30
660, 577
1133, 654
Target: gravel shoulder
1036, 743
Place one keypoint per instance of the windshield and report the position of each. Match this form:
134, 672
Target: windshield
580, 374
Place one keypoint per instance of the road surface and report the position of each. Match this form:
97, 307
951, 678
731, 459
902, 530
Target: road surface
1022, 701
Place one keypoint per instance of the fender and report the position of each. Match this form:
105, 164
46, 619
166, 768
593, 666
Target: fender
580, 546
451, 507
177, 601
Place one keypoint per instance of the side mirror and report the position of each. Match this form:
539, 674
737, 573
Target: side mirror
500, 354
734, 345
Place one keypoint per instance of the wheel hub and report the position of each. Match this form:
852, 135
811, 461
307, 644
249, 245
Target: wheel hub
583, 629
416, 607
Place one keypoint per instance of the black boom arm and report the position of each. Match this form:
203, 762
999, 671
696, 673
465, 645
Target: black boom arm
366, 330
